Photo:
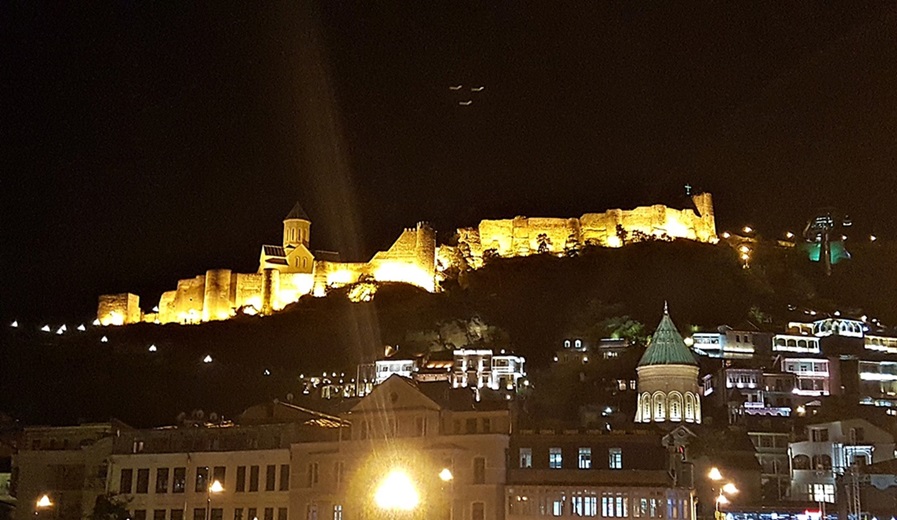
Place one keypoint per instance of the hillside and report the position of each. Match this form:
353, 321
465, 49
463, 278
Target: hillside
525, 304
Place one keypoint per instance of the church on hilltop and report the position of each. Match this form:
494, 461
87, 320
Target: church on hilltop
286, 272
292, 269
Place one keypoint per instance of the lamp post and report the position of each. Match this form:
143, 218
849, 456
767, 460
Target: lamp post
397, 493
214, 487
446, 476
726, 489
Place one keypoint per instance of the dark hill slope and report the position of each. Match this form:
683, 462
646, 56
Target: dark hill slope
536, 301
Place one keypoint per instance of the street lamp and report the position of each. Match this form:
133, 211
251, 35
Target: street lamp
726, 489
397, 492
214, 487
446, 476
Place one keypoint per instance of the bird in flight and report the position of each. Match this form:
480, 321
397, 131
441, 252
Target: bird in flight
465, 103
455, 87
477, 89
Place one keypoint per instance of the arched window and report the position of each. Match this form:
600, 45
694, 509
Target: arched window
800, 462
675, 402
566, 343
689, 407
802, 343
659, 407
578, 343
646, 407
780, 342
792, 343
697, 409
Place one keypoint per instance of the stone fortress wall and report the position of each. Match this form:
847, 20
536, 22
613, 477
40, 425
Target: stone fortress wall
523, 236
289, 272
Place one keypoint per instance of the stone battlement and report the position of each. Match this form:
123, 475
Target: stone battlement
289, 271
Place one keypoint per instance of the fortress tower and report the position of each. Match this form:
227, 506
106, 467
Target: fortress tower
668, 379
296, 228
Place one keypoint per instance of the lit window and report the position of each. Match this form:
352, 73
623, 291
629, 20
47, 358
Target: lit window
555, 458
526, 457
337, 512
585, 458
615, 458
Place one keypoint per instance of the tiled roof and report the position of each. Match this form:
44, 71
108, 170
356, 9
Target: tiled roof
273, 251
667, 346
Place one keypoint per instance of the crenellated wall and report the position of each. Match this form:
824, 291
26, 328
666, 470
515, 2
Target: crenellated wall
523, 236
288, 273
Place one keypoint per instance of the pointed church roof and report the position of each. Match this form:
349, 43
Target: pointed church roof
297, 213
667, 346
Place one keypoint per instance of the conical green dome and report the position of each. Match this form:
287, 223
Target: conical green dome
667, 346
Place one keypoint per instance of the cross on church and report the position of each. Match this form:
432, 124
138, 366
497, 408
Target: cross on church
688, 189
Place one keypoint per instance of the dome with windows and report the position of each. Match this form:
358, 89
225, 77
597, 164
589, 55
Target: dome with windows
668, 379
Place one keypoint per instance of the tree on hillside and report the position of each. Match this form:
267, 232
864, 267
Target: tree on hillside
572, 247
544, 243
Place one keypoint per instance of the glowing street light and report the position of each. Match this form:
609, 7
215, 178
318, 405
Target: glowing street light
43, 502
727, 488
873, 238
747, 229
397, 492
789, 235
214, 488
726, 234
446, 475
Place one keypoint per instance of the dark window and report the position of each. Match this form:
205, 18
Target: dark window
251, 514
161, 481
127, 477
219, 473
177, 514
143, 480
159, 514
180, 480
238, 514
253, 480
457, 426
420, 426
471, 425
270, 475
217, 514
199, 513
339, 473
284, 477
269, 513
140, 514
241, 480
479, 470
281, 513
478, 511
487, 426
202, 479
312, 476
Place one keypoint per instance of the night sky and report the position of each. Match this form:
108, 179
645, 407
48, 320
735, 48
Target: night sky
142, 143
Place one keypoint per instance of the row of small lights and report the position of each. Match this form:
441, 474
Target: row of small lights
747, 230
105, 339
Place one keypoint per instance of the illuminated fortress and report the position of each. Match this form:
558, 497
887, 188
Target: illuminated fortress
291, 270
523, 236
286, 272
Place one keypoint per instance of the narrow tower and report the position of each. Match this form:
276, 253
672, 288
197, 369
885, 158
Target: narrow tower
296, 227
668, 378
